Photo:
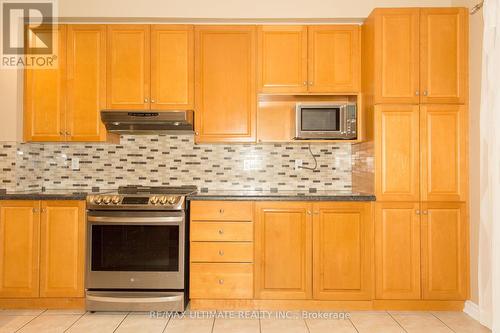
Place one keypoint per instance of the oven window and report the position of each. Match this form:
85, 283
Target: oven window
137, 248
320, 119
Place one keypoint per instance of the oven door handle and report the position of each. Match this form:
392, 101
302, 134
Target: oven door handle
116, 299
117, 219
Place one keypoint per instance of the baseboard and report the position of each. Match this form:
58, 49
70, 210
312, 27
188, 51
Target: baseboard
472, 309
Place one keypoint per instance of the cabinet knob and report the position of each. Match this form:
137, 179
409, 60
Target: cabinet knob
425, 93
221, 281
311, 83
305, 83
417, 93
61, 133
145, 100
425, 212
417, 212
309, 212
221, 231
197, 133
68, 133
221, 211
35, 210
152, 101
221, 253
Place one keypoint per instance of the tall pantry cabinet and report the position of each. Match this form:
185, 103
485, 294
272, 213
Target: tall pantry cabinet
415, 85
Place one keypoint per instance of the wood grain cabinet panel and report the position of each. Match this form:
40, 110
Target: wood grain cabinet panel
19, 248
397, 175
283, 265
396, 55
342, 248
62, 256
45, 91
128, 66
221, 211
172, 67
445, 268
397, 250
282, 56
444, 55
222, 231
334, 58
225, 89
86, 82
221, 281
443, 146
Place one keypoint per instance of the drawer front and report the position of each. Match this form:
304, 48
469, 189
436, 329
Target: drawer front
222, 231
222, 281
222, 210
221, 252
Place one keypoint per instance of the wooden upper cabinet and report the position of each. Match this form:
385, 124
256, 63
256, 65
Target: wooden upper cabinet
443, 148
86, 82
44, 91
445, 249
396, 55
334, 58
62, 254
172, 67
128, 66
397, 250
225, 83
19, 248
283, 234
397, 175
282, 56
444, 55
342, 248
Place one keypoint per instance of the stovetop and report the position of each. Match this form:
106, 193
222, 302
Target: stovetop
142, 198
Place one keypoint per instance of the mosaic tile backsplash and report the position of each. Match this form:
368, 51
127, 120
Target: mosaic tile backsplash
175, 160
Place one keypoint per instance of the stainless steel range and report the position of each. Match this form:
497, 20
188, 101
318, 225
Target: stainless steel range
136, 249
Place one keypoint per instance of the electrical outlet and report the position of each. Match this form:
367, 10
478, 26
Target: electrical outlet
75, 163
298, 164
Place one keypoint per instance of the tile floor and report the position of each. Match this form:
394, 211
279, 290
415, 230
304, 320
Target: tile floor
39, 321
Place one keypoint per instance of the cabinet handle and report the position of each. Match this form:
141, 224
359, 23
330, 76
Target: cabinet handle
417, 93
417, 212
68, 133
311, 83
221, 231
305, 83
221, 211
152, 101
145, 100
425, 93
221, 281
61, 133
309, 212
221, 253
425, 212
35, 210
197, 133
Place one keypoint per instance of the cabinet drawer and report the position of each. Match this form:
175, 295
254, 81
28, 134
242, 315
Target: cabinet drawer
222, 231
222, 210
221, 252
221, 281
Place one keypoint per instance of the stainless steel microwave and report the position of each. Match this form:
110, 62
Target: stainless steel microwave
326, 121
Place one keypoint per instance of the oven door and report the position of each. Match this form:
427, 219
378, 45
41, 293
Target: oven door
320, 121
135, 250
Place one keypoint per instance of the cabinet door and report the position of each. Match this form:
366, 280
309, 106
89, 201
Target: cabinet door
225, 83
334, 58
397, 250
172, 67
283, 254
86, 84
44, 91
444, 55
397, 152
443, 145
397, 55
445, 248
282, 54
19, 248
62, 257
128, 69
342, 248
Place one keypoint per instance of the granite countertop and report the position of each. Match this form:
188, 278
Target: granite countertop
69, 194
282, 196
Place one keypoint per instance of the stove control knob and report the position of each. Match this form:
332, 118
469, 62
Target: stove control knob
171, 200
115, 200
98, 200
163, 200
106, 200
154, 200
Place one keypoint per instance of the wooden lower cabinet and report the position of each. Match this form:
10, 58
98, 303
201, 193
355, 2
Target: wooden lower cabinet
342, 251
397, 250
19, 248
62, 249
445, 249
283, 250
42, 249
221, 280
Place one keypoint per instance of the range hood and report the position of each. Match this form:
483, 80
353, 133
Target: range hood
148, 122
